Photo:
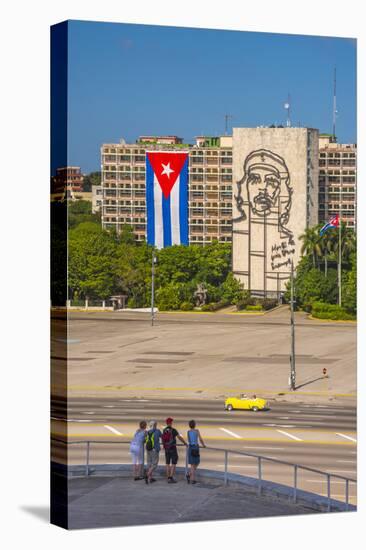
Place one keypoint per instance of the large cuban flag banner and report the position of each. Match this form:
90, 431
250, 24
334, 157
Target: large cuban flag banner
167, 198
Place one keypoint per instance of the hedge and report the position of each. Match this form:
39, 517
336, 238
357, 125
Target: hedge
186, 306
321, 310
215, 306
257, 307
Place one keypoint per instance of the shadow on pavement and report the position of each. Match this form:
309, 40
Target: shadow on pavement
309, 382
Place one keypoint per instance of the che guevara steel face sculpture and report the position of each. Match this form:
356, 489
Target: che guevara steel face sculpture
266, 183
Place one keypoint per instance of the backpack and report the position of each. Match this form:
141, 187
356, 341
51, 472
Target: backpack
167, 438
150, 440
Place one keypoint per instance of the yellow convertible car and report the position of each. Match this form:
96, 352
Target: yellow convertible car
253, 403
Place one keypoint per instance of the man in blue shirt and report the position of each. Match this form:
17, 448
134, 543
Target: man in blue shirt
152, 443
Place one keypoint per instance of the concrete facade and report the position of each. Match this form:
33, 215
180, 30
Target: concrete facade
210, 185
337, 180
275, 198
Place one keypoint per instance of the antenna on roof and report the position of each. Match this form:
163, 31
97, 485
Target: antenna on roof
226, 121
287, 107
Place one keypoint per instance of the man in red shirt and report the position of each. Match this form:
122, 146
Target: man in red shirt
169, 440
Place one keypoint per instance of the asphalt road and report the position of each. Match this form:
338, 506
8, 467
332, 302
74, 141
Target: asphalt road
319, 436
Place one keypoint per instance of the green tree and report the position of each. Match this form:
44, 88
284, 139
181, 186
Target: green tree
311, 243
348, 244
349, 287
232, 290
94, 178
80, 211
312, 285
171, 296
91, 261
133, 270
126, 235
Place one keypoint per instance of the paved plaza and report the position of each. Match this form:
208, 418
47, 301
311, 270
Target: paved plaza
197, 355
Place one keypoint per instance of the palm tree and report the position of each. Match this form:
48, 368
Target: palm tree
326, 247
348, 238
312, 243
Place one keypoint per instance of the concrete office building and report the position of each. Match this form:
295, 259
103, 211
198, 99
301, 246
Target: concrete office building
210, 185
337, 180
67, 182
275, 198
97, 202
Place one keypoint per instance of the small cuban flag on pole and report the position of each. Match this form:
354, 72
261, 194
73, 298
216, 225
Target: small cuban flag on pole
167, 198
333, 222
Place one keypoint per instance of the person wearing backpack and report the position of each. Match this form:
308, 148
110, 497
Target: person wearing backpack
137, 451
169, 440
152, 445
194, 439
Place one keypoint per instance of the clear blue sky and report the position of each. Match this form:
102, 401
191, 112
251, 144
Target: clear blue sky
129, 80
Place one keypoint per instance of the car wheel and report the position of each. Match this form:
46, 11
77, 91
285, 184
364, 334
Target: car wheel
255, 409
229, 407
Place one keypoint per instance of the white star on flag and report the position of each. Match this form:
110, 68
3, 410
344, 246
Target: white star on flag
167, 170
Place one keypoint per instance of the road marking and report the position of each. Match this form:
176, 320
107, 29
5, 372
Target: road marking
87, 412
282, 425
231, 433
113, 430
319, 415
349, 461
140, 400
108, 406
73, 420
284, 418
347, 437
290, 435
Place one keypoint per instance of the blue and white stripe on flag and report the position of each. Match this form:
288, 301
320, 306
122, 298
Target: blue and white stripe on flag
333, 222
167, 198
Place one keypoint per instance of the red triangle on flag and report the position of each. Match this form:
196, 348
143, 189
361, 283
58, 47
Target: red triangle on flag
167, 167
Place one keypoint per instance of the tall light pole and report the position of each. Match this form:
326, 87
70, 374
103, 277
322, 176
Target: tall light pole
292, 356
153, 262
340, 251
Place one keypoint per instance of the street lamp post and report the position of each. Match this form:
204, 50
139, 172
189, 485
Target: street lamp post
292, 356
153, 262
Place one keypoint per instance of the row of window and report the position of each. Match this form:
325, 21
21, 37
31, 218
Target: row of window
337, 162
340, 154
337, 172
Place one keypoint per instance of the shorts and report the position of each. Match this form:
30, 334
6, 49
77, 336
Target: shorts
152, 458
193, 460
137, 456
171, 456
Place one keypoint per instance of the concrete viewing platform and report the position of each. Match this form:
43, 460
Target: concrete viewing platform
109, 497
111, 502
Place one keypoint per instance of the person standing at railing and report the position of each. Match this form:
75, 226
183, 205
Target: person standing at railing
194, 439
152, 444
169, 440
137, 451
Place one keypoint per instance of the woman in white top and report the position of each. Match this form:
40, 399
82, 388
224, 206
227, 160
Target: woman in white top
137, 451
